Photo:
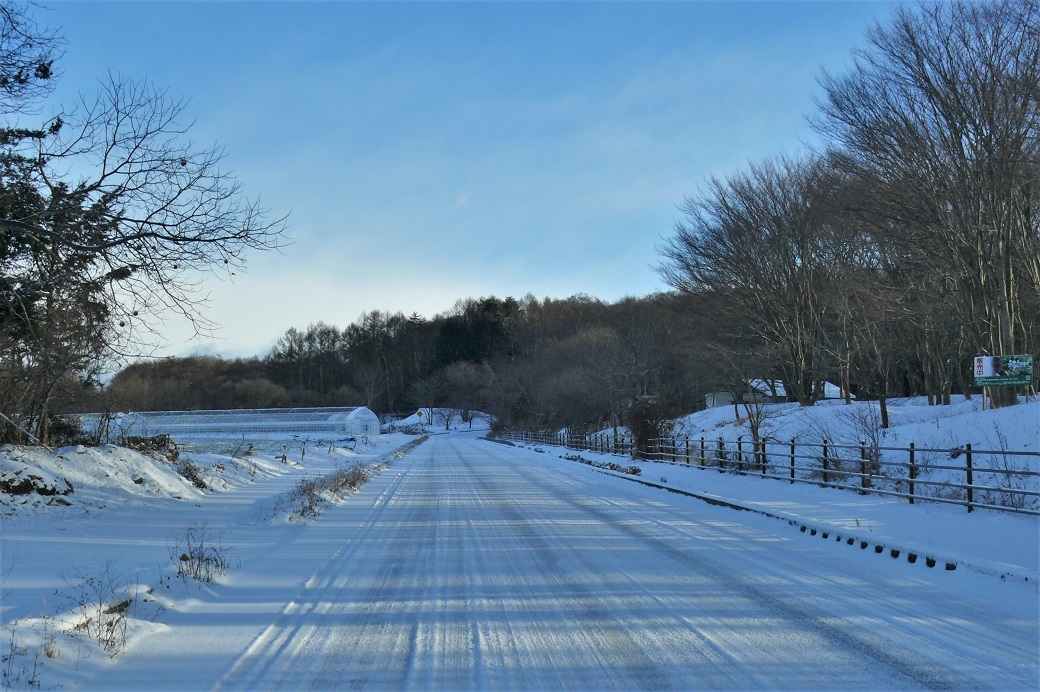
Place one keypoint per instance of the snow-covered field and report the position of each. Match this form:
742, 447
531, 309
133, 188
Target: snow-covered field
911, 420
496, 567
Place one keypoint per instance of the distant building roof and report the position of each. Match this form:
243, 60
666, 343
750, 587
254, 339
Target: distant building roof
830, 390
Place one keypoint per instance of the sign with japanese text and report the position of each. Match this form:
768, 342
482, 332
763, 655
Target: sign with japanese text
1003, 370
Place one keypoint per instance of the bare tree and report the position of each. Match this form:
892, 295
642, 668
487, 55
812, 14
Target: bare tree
428, 392
27, 55
107, 214
764, 238
154, 209
941, 110
464, 389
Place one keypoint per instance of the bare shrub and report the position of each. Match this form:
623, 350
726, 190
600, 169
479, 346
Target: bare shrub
199, 556
309, 497
191, 472
864, 418
649, 419
306, 498
51, 649
100, 604
162, 446
1009, 476
20, 667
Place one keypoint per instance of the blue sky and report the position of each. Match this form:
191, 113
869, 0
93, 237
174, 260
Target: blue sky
435, 151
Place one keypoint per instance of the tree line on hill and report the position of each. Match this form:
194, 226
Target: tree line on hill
549, 363
882, 261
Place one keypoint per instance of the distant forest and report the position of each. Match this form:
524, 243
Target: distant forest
576, 361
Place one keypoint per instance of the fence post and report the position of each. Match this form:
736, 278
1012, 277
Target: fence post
913, 472
864, 482
740, 454
687, 451
967, 463
703, 461
762, 455
792, 461
721, 456
825, 462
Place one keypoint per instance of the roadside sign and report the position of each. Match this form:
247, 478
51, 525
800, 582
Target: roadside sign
1003, 370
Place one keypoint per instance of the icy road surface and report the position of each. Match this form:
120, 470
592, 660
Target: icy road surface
473, 565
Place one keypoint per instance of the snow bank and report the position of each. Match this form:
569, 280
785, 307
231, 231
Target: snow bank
910, 420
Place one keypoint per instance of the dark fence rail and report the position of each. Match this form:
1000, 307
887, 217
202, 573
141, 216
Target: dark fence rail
1003, 480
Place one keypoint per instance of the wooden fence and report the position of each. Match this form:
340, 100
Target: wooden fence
1003, 480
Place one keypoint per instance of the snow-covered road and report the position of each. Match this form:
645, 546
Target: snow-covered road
475, 565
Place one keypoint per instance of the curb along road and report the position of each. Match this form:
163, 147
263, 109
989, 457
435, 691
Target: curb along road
893, 549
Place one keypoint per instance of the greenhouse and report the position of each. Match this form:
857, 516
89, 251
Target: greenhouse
273, 422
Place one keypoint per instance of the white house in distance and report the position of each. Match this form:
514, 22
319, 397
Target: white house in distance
766, 391
236, 423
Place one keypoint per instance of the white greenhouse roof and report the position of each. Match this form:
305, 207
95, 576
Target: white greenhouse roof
357, 420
